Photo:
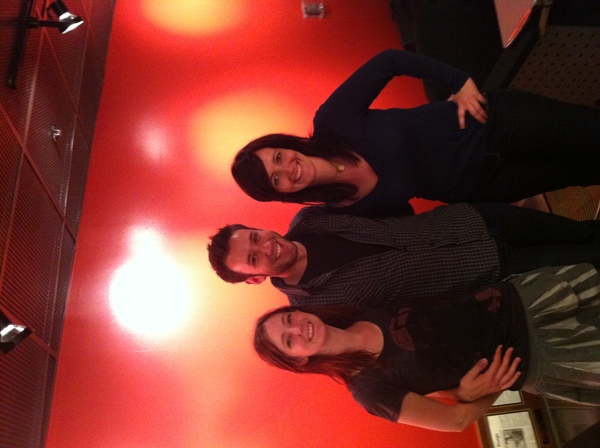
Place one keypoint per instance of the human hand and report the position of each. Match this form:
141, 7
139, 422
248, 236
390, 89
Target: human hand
500, 375
469, 99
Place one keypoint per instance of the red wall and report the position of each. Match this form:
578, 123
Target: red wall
156, 349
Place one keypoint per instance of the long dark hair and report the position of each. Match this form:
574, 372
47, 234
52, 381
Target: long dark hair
339, 367
250, 174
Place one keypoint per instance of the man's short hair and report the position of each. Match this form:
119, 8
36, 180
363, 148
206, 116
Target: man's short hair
218, 250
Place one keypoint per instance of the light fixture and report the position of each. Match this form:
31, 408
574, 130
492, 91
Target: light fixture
10, 334
63, 27
61, 11
66, 21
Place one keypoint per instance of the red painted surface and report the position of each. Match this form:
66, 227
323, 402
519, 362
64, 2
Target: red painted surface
175, 108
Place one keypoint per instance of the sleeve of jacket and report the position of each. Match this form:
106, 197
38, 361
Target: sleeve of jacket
358, 92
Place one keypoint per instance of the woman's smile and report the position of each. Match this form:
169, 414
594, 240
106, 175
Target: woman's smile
309, 325
298, 174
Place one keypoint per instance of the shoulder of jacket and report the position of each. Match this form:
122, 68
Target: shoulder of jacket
307, 213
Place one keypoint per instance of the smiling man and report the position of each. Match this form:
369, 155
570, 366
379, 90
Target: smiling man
328, 259
267, 252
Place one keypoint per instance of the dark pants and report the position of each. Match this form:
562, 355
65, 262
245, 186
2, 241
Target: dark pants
529, 239
535, 145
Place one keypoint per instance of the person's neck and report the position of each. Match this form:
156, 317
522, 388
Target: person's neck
360, 336
330, 171
359, 174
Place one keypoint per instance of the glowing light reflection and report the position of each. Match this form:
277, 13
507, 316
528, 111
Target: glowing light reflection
149, 294
154, 139
194, 17
221, 128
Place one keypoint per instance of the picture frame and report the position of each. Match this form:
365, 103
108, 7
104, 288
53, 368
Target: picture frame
514, 429
509, 398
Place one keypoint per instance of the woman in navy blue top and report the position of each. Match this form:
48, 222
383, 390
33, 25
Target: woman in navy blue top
390, 359
504, 147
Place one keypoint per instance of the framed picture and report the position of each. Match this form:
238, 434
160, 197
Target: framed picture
509, 397
512, 430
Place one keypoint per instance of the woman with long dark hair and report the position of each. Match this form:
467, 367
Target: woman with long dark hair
548, 320
504, 147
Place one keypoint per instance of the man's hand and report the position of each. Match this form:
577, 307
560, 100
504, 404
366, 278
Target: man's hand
500, 375
469, 99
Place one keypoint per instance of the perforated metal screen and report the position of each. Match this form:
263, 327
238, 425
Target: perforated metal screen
565, 65
41, 193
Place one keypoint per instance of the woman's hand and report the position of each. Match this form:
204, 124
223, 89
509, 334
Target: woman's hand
469, 99
500, 375
431, 414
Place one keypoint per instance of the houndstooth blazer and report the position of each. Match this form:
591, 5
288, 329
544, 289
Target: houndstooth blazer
444, 253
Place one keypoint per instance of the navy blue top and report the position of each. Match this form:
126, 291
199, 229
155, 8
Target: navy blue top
419, 152
431, 348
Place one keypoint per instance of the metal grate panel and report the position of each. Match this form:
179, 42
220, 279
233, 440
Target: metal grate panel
86, 7
10, 157
31, 265
67, 257
91, 90
48, 394
564, 65
69, 49
101, 16
17, 102
52, 106
580, 203
41, 193
22, 377
79, 168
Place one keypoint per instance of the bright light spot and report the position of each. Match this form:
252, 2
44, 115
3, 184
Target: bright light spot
194, 16
154, 139
150, 294
221, 128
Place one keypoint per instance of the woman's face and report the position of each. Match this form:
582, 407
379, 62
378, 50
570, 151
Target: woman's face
288, 171
296, 334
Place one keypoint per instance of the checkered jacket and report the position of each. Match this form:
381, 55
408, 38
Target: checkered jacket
444, 253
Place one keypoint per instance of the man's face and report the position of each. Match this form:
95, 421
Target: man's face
261, 253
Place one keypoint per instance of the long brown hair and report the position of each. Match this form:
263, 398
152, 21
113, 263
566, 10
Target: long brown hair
250, 174
339, 367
